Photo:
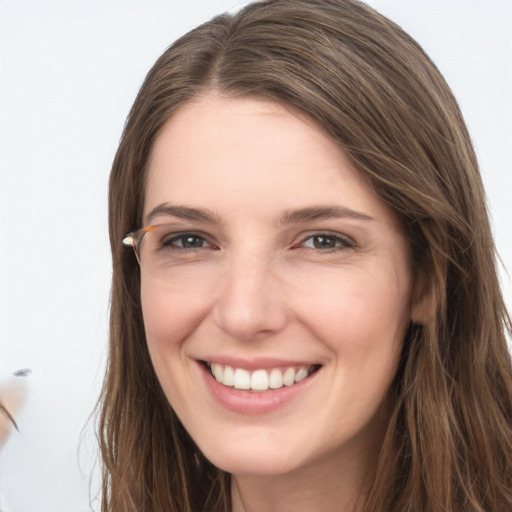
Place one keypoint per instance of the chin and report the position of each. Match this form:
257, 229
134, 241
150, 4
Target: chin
256, 464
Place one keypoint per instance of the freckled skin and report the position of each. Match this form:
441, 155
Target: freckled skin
269, 289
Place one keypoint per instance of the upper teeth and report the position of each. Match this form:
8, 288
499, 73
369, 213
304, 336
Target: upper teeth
258, 380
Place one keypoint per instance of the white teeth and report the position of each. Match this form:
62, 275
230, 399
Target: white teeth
217, 372
289, 377
242, 379
301, 374
228, 378
275, 380
258, 380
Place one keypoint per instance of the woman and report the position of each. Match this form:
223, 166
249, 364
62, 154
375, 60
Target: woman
314, 321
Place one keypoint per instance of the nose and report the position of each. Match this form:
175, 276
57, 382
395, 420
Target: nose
249, 302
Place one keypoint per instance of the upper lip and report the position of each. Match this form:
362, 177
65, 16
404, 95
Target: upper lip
259, 363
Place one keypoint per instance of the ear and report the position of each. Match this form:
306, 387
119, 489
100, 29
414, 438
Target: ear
423, 303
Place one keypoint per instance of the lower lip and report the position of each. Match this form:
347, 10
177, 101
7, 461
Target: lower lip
253, 403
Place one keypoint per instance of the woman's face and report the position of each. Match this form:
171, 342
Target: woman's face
281, 271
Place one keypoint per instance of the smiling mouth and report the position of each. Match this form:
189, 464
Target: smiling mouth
260, 380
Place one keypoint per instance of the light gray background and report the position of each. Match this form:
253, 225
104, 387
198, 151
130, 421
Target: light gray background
69, 71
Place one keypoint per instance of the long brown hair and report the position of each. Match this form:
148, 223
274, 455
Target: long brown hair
373, 90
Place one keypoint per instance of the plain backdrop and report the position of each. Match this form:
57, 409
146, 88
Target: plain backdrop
69, 71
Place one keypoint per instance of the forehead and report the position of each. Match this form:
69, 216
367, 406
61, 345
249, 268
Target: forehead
220, 153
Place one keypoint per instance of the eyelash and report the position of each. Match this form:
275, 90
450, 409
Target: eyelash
168, 242
340, 242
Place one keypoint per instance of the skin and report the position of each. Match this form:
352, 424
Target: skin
262, 286
5, 427
13, 394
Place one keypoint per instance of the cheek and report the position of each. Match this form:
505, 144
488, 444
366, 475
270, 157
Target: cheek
169, 317
362, 321
170, 314
360, 314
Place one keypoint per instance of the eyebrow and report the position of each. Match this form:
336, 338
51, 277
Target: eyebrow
185, 213
313, 213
